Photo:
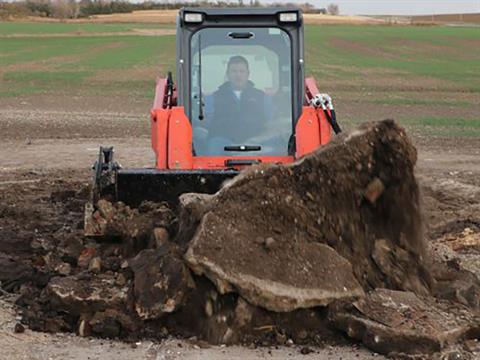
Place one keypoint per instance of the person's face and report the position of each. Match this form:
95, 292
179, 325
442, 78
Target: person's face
238, 75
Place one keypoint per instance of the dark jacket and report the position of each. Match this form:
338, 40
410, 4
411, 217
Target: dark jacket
237, 119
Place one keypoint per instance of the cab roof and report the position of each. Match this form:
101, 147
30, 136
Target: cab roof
232, 11
232, 14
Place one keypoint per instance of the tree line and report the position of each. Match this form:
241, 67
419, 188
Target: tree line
72, 9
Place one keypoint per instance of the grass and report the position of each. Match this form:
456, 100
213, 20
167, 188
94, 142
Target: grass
442, 53
417, 101
49, 64
393, 66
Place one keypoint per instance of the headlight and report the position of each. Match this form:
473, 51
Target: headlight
193, 17
288, 17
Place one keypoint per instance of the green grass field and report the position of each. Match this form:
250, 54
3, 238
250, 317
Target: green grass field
397, 66
444, 53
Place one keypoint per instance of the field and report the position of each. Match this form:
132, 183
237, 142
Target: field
448, 18
66, 88
415, 74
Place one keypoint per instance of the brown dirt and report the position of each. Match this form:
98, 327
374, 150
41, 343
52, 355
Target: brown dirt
54, 300
41, 199
357, 47
328, 198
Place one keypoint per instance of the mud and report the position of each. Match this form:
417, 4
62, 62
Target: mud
122, 286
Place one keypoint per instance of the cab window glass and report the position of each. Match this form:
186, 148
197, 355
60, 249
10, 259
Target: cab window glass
241, 91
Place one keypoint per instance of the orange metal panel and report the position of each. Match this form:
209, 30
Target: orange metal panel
160, 92
179, 140
307, 132
218, 162
159, 130
324, 127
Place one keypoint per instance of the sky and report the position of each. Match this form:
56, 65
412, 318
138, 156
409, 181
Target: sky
399, 7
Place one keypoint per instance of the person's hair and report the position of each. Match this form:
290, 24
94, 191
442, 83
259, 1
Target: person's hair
237, 60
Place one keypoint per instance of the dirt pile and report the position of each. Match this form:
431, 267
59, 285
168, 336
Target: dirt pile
303, 235
280, 254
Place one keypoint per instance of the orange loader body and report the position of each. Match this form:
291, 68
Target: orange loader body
172, 135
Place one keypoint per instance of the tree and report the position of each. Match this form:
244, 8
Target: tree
333, 9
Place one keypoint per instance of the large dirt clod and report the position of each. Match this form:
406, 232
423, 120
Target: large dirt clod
161, 281
396, 322
82, 293
344, 218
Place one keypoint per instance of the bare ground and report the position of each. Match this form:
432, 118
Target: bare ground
45, 145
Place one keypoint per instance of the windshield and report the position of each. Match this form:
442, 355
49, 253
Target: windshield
241, 101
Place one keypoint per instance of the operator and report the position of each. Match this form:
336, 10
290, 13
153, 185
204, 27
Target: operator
238, 108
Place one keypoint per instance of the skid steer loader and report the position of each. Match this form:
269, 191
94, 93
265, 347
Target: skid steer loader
240, 98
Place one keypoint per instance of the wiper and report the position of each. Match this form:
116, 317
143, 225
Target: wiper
242, 148
200, 100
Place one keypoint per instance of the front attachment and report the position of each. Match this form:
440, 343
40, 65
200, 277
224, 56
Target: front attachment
132, 186
104, 175
136, 185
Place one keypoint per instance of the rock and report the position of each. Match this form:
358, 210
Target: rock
84, 329
472, 345
43, 244
108, 327
280, 338
395, 263
456, 284
132, 226
374, 190
306, 350
269, 243
208, 308
70, 249
302, 334
395, 322
227, 337
86, 255
105, 209
111, 263
95, 265
161, 282
192, 208
243, 313
19, 328
160, 236
51, 261
79, 294
111, 322
64, 269
14, 273
121, 280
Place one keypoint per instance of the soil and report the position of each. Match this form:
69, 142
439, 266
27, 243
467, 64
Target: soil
358, 195
44, 177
